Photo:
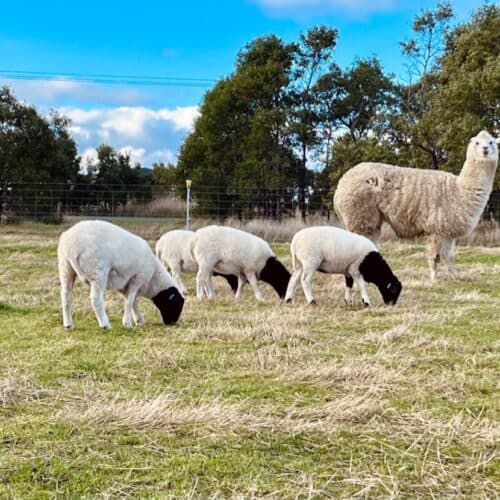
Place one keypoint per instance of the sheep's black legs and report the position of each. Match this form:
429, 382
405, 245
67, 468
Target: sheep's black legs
348, 289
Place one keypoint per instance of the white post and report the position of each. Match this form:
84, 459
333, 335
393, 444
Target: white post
188, 187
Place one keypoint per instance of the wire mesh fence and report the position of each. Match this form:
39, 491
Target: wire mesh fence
51, 203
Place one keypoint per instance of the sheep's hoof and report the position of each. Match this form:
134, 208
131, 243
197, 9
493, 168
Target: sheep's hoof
106, 327
313, 303
69, 327
366, 304
288, 301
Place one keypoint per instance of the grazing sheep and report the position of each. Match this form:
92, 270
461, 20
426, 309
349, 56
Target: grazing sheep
106, 256
336, 251
172, 250
420, 202
231, 251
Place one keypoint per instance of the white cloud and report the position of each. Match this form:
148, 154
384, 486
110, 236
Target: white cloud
54, 92
295, 6
136, 154
147, 135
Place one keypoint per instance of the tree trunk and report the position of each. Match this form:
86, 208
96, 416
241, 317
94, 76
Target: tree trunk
301, 181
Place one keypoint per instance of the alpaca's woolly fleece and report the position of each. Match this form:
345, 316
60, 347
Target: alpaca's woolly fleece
420, 202
336, 251
108, 257
232, 251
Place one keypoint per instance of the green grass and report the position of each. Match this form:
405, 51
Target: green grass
248, 399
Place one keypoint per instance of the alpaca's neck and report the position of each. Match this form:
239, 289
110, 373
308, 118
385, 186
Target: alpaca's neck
477, 176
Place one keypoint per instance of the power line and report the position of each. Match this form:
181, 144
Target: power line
107, 79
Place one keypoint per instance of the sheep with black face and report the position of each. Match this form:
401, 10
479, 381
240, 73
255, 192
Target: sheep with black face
231, 251
336, 251
106, 256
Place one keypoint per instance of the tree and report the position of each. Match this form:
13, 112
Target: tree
113, 180
415, 125
239, 142
313, 55
32, 147
468, 93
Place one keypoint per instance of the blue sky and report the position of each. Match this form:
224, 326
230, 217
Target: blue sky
196, 40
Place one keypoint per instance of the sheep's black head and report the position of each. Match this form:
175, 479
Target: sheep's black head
170, 303
276, 274
375, 269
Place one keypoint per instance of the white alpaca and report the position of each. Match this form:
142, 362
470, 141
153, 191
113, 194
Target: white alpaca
231, 251
420, 202
336, 251
173, 251
106, 256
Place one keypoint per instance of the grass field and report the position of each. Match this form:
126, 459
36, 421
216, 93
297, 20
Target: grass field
250, 399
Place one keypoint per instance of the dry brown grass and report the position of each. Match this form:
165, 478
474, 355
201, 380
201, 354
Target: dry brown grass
14, 389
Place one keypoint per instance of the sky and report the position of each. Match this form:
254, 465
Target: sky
181, 47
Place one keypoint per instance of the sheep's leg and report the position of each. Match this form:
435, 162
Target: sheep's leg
241, 283
136, 314
306, 281
129, 307
360, 283
292, 284
67, 278
97, 301
348, 289
204, 282
448, 251
252, 279
434, 252
175, 270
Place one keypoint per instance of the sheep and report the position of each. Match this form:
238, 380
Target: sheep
107, 256
420, 202
172, 250
231, 251
336, 251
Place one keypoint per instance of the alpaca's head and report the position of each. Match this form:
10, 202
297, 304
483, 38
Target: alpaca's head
482, 147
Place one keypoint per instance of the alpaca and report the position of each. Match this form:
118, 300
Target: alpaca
419, 202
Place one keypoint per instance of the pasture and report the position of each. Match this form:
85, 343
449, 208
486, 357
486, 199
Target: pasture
251, 399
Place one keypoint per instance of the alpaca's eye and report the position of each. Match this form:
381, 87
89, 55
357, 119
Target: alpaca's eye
491, 143
477, 143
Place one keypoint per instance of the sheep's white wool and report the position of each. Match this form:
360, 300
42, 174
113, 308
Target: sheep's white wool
107, 256
420, 202
336, 251
173, 251
233, 252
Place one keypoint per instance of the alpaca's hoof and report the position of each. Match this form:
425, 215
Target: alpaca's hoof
313, 303
288, 301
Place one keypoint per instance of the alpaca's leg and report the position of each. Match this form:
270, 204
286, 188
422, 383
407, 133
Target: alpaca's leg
433, 257
448, 252
241, 283
97, 288
348, 289
292, 284
67, 278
